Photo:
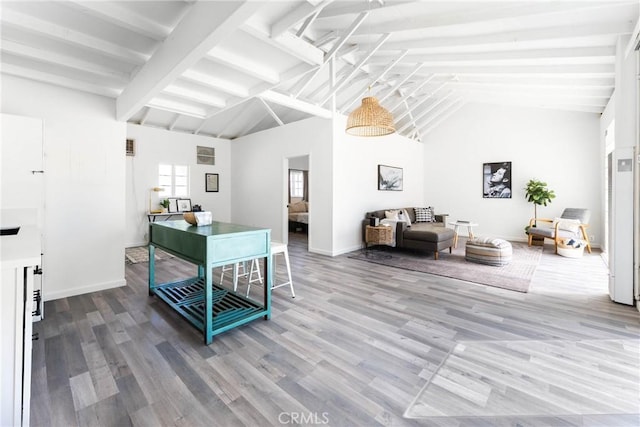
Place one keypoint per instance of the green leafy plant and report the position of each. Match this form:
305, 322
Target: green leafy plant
164, 203
537, 193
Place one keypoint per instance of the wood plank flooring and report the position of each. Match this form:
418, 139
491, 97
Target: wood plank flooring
354, 348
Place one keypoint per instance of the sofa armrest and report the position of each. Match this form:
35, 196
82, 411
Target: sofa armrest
442, 218
400, 227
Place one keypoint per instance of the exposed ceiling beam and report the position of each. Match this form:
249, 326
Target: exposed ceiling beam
413, 91
634, 40
145, 115
287, 42
357, 67
203, 27
424, 112
162, 103
43, 76
194, 95
243, 64
32, 24
306, 24
174, 121
591, 54
443, 114
421, 101
271, 112
400, 82
214, 82
357, 7
375, 79
509, 40
593, 70
126, 18
296, 104
52, 57
297, 15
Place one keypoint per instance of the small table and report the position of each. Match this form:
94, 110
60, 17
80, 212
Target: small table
456, 228
378, 235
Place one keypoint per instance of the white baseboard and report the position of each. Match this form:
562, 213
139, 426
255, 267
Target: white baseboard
48, 296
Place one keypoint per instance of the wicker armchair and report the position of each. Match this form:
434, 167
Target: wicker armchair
574, 226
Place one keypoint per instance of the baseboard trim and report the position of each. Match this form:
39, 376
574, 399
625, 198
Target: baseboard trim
65, 293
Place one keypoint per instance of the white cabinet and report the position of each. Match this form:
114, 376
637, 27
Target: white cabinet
19, 255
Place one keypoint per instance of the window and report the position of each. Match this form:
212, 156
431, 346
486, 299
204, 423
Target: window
296, 183
174, 179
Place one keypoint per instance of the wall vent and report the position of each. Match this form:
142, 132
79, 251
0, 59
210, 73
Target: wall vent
131, 147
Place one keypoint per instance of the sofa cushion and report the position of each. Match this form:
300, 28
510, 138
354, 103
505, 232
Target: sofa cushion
428, 233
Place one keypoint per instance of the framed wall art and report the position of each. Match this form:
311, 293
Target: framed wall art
389, 178
496, 180
184, 205
173, 205
211, 182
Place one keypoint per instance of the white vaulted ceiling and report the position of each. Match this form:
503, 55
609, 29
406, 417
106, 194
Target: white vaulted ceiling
227, 69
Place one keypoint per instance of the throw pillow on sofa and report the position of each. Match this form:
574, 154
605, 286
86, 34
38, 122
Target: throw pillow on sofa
424, 214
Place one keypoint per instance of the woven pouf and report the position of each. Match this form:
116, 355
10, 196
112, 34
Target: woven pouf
488, 250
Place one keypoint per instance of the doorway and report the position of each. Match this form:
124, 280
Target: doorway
298, 200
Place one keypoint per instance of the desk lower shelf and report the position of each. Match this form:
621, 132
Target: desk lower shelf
229, 308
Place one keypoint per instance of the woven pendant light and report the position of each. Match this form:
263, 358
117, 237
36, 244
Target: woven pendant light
370, 119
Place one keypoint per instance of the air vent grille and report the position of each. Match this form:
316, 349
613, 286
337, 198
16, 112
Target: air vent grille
131, 147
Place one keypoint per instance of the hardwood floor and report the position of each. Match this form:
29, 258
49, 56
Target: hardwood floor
354, 348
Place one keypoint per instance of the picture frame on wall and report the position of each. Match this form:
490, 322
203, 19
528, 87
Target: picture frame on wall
184, 205
173, 205
389, 178
496, 180
211, 182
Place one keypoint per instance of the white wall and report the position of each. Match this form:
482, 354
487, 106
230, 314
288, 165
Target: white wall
560, 148
158, 146
259, 179
299, 163
84, 185
356, 161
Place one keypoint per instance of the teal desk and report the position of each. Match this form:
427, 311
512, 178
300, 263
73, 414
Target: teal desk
208, 306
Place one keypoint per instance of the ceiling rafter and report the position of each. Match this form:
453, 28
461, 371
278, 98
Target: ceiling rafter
399, 83
423, 99
204, 26
214, 82
126, 18
296, 16
194, 95
440, 116
54, 31
243, 64
52, 57
507, 40
413, 91
271, 112
375, 80
296, 104
356, 67
424, 112
334, 49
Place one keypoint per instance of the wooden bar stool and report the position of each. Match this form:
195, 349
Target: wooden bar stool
277, 248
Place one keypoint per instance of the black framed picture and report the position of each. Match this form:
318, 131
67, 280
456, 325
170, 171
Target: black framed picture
184, 205
389, 178
211, 182
496, 180
173, 205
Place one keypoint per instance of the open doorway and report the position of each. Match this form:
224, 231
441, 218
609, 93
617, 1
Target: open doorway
298, 201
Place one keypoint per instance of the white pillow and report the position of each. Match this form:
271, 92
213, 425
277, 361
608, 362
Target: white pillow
392, 214
403, 215
572, 225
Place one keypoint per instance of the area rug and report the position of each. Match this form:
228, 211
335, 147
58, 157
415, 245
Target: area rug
141, 254
534, 379
515, 276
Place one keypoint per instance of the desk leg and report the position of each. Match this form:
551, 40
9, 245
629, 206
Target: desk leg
208, 298
152, 268
268, 283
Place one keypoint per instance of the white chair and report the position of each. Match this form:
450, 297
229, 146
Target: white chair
278, 248
236, 273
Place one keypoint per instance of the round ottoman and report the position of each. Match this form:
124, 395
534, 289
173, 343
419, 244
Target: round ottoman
488, 250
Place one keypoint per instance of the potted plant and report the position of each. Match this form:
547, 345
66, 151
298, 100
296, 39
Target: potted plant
539, 194
165, 205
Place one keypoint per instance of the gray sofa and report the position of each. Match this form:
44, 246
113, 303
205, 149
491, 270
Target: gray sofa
431, 237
